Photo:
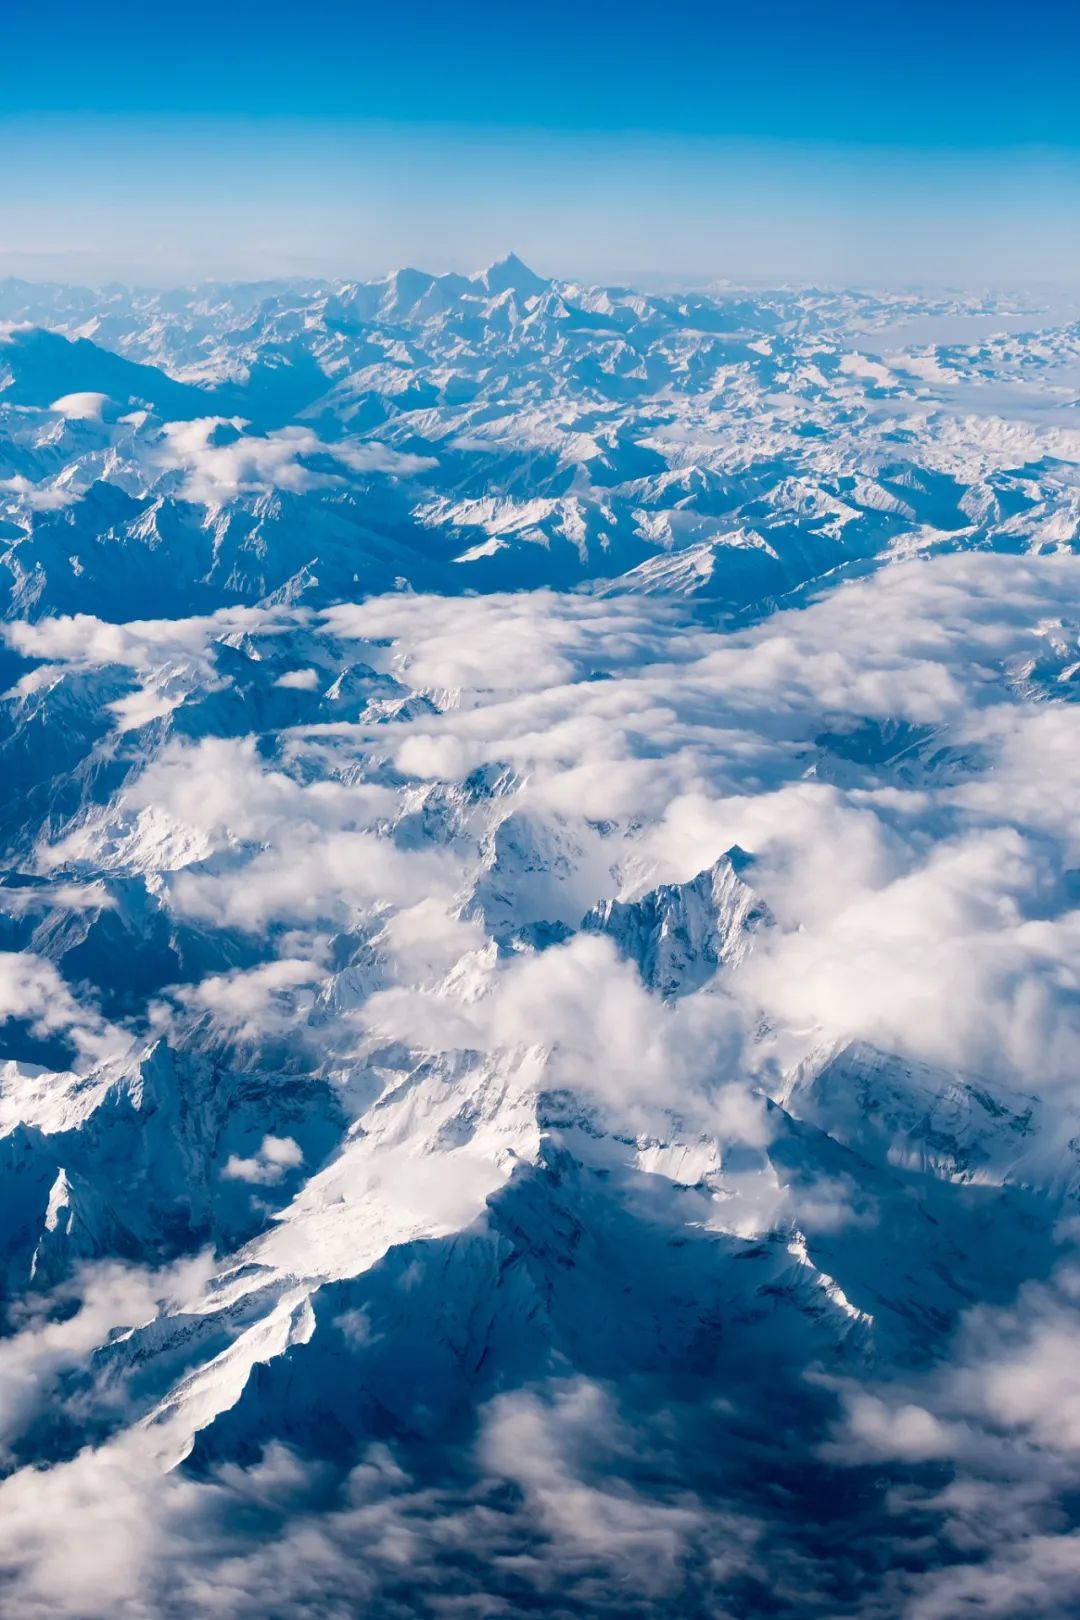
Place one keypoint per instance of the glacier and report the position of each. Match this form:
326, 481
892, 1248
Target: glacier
539, 951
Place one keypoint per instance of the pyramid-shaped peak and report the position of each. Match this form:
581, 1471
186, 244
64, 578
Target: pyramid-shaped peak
510, 274
680, 934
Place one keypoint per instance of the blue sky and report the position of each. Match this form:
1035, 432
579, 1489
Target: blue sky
886, 142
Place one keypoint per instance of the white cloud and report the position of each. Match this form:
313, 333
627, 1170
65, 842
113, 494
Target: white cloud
57, 1331
549, 1447
500, 643
32, 989
41, 497
299, 680
897, 761
85, 407
218, 460
277, 1155
604, 1035
311, 878
84, 641
68, 896
252, 1003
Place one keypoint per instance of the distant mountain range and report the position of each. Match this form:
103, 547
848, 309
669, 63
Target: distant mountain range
503, 431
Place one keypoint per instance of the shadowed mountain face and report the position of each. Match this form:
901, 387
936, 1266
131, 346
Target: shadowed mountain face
538, 921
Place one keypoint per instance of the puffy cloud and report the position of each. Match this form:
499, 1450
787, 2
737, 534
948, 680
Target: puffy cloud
503, 643
898, 759
369, 456
329, 875
84, 641
299, 680
195, 799
999, 1418
558, 1502
949, 961
277, 1155
426, 940
85, 1538
1041, 1577
141, 707
906, 906
68, 896
253, 1003
218, 460
85, 407
32, 990
875, 1429
550, 1447
55, 1332
41, 497
604, 1035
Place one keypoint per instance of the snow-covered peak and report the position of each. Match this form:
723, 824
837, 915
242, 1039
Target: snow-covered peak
680, 934
509, 274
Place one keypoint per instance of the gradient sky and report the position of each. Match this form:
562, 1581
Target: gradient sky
881, 142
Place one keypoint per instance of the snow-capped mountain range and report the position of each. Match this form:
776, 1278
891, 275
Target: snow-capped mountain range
503, 432
540, 917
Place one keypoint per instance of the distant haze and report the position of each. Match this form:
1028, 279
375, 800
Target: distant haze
841, 144
173, 200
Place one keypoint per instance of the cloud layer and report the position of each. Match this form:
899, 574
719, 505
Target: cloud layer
473, 1271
